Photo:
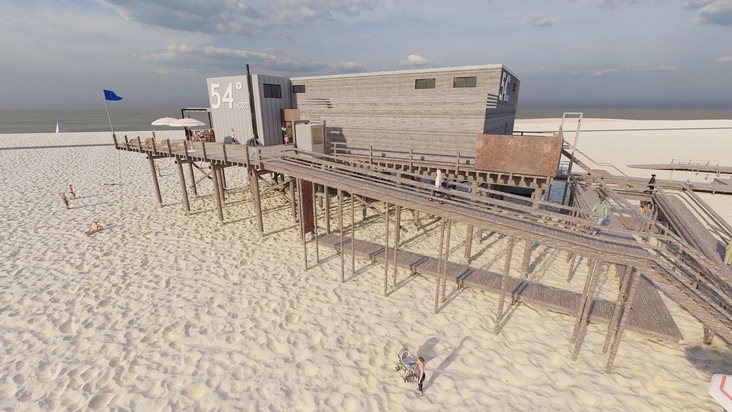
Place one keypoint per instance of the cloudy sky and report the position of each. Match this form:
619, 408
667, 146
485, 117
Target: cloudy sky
567, 53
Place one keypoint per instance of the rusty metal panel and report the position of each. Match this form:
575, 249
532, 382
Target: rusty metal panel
306, 197
526, 155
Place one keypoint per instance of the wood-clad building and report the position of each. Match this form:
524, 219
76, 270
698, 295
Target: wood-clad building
443, 109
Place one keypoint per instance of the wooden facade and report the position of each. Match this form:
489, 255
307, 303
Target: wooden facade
388, 110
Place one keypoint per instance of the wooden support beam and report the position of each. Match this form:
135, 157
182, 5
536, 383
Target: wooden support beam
340, 230
326, 202
217, 194
302, 223
504, 285
315, 223
571, 265
398, 212
439, 265
254, 189
586, 305
292, 199
386, 251
353, 235
468, 242
183, 187
415, 218
446, 260
623, 321
155, 180
612, 326
527, 257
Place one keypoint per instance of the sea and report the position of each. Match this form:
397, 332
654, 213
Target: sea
45, 121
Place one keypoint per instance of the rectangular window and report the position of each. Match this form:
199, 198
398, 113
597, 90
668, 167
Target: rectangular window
471, 81
424, 84
298, 88
272, 90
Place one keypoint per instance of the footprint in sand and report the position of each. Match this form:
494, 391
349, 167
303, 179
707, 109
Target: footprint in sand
276, 347
66, 327
308, 368
100, 401
174, 385
195, 391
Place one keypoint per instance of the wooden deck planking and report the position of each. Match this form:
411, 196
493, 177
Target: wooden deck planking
649, 315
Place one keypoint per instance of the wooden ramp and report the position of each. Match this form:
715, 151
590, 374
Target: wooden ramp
649, 315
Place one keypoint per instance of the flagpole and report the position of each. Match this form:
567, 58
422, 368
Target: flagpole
108, 117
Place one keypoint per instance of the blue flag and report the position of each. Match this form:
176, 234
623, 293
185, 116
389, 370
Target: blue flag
111, 96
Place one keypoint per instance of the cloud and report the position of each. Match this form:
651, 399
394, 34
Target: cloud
716, 12
235, 17
414, 60
725, 59
538, 21
208, 59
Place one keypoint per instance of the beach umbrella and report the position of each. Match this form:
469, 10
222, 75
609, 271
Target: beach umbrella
187, 122
164, 121
721, 390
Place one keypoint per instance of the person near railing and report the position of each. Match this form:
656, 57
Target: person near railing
600, 210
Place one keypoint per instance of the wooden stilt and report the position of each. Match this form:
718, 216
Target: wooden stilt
155, 179
623, 321
583, 300
415, 218
612, 326
527, 257
217, 193
504, 285
223, 178
571, 266
445, 261
219, 170
586, 311
182, 178
254, 189
193, 178
398, 220
315, 224
326, 202
397, 211
386, 251
439, 265
353, 234
340, 230
302, 222
292, 199
468, 242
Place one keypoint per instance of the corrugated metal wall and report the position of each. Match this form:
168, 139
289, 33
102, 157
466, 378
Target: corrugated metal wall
269, 110
229, 102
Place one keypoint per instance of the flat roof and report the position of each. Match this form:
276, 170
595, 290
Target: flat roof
409, 71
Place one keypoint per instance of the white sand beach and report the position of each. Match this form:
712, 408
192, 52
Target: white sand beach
162, 311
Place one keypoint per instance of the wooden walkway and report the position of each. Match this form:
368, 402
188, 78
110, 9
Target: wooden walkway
673, 265
649, 315
687, 166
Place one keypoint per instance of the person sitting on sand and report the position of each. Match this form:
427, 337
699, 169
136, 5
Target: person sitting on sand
96, 227
71, 192
65, 200
421, 375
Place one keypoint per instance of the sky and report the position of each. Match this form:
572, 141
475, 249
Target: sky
566, 53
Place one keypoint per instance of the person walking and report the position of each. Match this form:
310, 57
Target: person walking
421, 375
65, 200
600, 210
71, 192
652, 183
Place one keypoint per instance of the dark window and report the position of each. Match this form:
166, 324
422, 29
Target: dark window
272, 90
298, 88
424, 84
514, 87
465, 81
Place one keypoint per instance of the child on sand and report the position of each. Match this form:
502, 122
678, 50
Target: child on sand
65, 200
71, 192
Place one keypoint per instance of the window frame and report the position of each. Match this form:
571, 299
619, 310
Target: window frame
269, 88
464, 81
425, 83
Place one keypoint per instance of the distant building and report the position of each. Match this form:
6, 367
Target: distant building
442, 109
